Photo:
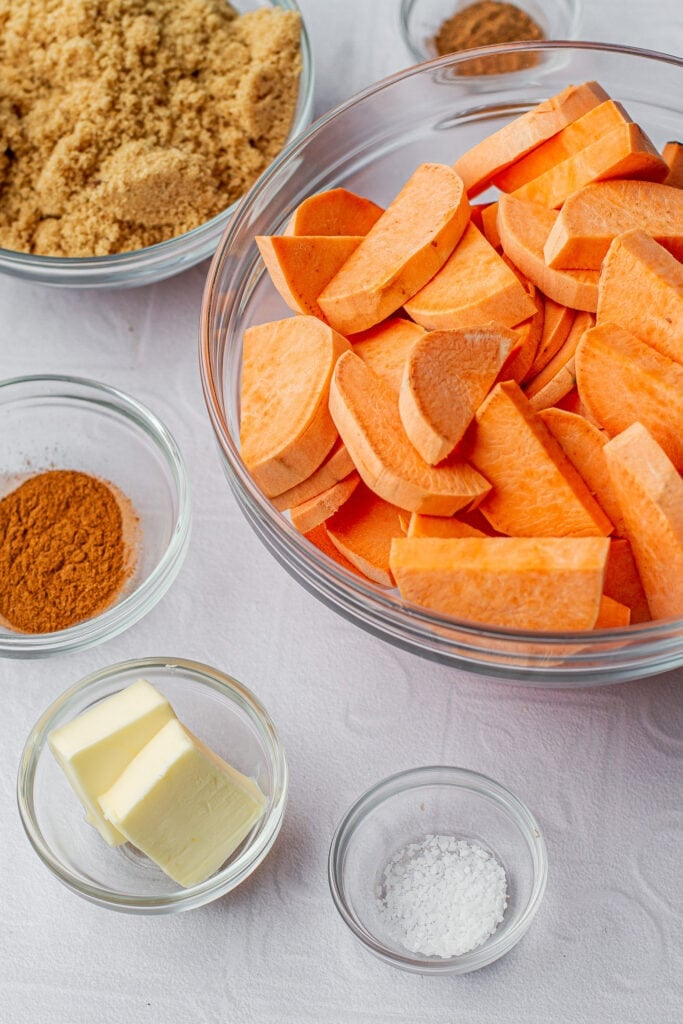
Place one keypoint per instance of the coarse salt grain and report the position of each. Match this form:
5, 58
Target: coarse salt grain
442, 896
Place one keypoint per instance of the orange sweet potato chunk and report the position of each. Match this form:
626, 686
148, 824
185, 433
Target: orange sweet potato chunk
514, 582
557, 322
362, 531
558, 377
612, 614
385, 348
301, 267
336, 466
529, 335
673, 155
441, 526
320, 538
622, 582
311, 513
335, 212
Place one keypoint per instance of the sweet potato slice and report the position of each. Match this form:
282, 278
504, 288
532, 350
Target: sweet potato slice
319, 537
447, 376
524, 229
385, 348
336, 466
529, 335
301, 267
474, 285
365, 411
673, 155
311, 513
576, 136
622, 381
362, 530
536, 491
489, 225
480, 164
286, 429
650, 492
411, 241
596, 214
622, 582
641, 289
557, 321
558, 377
441, 526
612, 614
515, 582
335, 212
625, 152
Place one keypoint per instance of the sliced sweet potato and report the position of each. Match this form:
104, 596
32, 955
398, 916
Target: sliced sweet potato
311, 513
558, 377
301, 267
363, 529
365, 411
514, 582
447, 376
536, 491
474, 286
529, 335
592, 217
673, 155
480, 164
385, 348
624, 152
441, 526
622, 380
641, 289
557, 321
336, 466
319, 537
405, 248
335, 212
650, 492
612, 614
524, 229
489, 225
286, 429
622, 581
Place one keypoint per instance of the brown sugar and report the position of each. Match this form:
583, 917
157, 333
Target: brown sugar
126, 122
484, 24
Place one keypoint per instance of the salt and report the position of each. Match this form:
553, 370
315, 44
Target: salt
442, 896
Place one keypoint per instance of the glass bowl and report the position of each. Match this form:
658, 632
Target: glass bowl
371, 145
156, 262
420, 20
442, 801
222, 713
59, 422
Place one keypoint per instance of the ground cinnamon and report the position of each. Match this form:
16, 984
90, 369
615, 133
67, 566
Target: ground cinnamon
63, 555
484, 24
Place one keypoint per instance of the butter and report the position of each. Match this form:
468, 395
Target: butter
94, 748
182, 805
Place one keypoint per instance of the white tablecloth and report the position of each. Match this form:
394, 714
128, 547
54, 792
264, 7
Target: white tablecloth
600, 768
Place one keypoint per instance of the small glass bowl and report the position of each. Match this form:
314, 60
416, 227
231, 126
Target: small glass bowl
435, 800
216, 708
420, 20
156, 262
60, 422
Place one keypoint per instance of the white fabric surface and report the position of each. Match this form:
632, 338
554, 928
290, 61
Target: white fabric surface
600, 768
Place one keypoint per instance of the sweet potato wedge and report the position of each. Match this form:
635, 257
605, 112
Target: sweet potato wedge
524, 229
515, 582
311, 513
673, 155
440, 526
558, 377
622, 582
622, 380
557, 321
612, 614
319, 537
405, 248
365, 411
650, 491
536, 491
335, 212
301, 267
489, 226
529, 334
385, 348
362, 531
336, 466
286, 429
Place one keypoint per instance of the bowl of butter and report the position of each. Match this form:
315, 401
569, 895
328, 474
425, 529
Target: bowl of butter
153, 786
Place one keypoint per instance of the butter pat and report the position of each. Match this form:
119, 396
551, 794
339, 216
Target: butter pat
182, 805
96, 747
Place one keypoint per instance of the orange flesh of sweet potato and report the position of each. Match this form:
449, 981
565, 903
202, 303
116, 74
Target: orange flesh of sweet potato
576, 136
286, 429
480, 164
365, 411
641, 289
309, 514
583, 443
524, 228
441, 526
335, 212
385, 348
518, 583
622, 380
536, 491
301, 267
558, 377
336, 466
612, 614
596, 214
474, 286
650, 491
411, 241
556, 388
319, 537
557, 321
622, 582
489, 226
673, 155
363, 529
447, 376
529, 335
625, 152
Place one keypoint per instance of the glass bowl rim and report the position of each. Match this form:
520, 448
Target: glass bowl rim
458, 778
131, 608
218, 884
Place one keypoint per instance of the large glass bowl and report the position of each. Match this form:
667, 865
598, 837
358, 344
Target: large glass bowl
371, 144
156, 262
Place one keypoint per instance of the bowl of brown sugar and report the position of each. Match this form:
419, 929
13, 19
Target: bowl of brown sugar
94, 513
130, 129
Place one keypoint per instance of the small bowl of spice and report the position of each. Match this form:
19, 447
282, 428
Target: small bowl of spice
434, 28
438, 870
94, 513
